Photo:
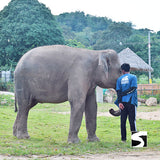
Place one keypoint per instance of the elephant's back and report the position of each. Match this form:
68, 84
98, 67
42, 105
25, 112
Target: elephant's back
58, 50
55, 56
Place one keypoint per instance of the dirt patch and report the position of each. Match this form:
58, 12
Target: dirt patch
116, 156
155, 115
154, 155
6, 93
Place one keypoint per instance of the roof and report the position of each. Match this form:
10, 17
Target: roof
136, 63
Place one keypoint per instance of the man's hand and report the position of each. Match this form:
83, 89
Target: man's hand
121, 106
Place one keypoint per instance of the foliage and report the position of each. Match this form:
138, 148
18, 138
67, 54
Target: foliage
114, 37
49, 130
77, 25
78, 21
6, 86
86, 36
24, 25
74, 43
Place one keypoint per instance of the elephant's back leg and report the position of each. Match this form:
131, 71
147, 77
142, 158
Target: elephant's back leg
25, 102
20, 124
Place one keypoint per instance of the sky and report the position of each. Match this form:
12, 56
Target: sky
141, 13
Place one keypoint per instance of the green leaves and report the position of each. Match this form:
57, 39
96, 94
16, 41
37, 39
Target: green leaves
24, 25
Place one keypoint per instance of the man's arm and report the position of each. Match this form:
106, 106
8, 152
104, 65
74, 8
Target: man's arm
128, 91
119, 96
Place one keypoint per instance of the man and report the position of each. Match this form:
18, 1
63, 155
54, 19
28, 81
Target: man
126, 88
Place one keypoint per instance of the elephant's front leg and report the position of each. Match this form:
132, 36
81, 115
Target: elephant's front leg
77, 92
91, 117
77, 109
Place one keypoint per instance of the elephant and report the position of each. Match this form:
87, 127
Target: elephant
59, 73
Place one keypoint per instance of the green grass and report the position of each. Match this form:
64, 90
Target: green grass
6, 100
49, 131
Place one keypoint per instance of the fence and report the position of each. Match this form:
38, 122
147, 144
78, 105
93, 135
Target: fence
148, 89
6, 81
6, 76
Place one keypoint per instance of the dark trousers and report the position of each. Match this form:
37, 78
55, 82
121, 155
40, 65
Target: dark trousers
130, 111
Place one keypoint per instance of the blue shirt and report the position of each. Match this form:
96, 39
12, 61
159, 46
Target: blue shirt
125, 82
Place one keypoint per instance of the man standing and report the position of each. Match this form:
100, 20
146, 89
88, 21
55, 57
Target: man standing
126, 88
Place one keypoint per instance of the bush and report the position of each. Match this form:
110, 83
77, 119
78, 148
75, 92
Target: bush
7, 86
158, 98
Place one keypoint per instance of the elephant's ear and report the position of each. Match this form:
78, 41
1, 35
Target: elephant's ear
104, 63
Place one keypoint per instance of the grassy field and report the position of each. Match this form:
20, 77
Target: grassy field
48, 129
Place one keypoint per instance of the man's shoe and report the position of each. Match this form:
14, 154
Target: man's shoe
123, 141
114, 113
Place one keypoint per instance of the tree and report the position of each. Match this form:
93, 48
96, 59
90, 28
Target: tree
155, 55
74, 43
25, 24
77, 25
114, 36
97, 23
75, 20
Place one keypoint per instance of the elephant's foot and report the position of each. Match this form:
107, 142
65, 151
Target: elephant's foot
23, 135
73, 140
93, 139
20, 134
115, 113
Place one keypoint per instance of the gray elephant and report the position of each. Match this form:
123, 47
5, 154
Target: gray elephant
55, 74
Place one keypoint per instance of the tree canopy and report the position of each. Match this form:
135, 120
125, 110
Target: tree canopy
25, 24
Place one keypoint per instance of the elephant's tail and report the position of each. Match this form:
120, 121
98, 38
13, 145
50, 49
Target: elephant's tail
16, 109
